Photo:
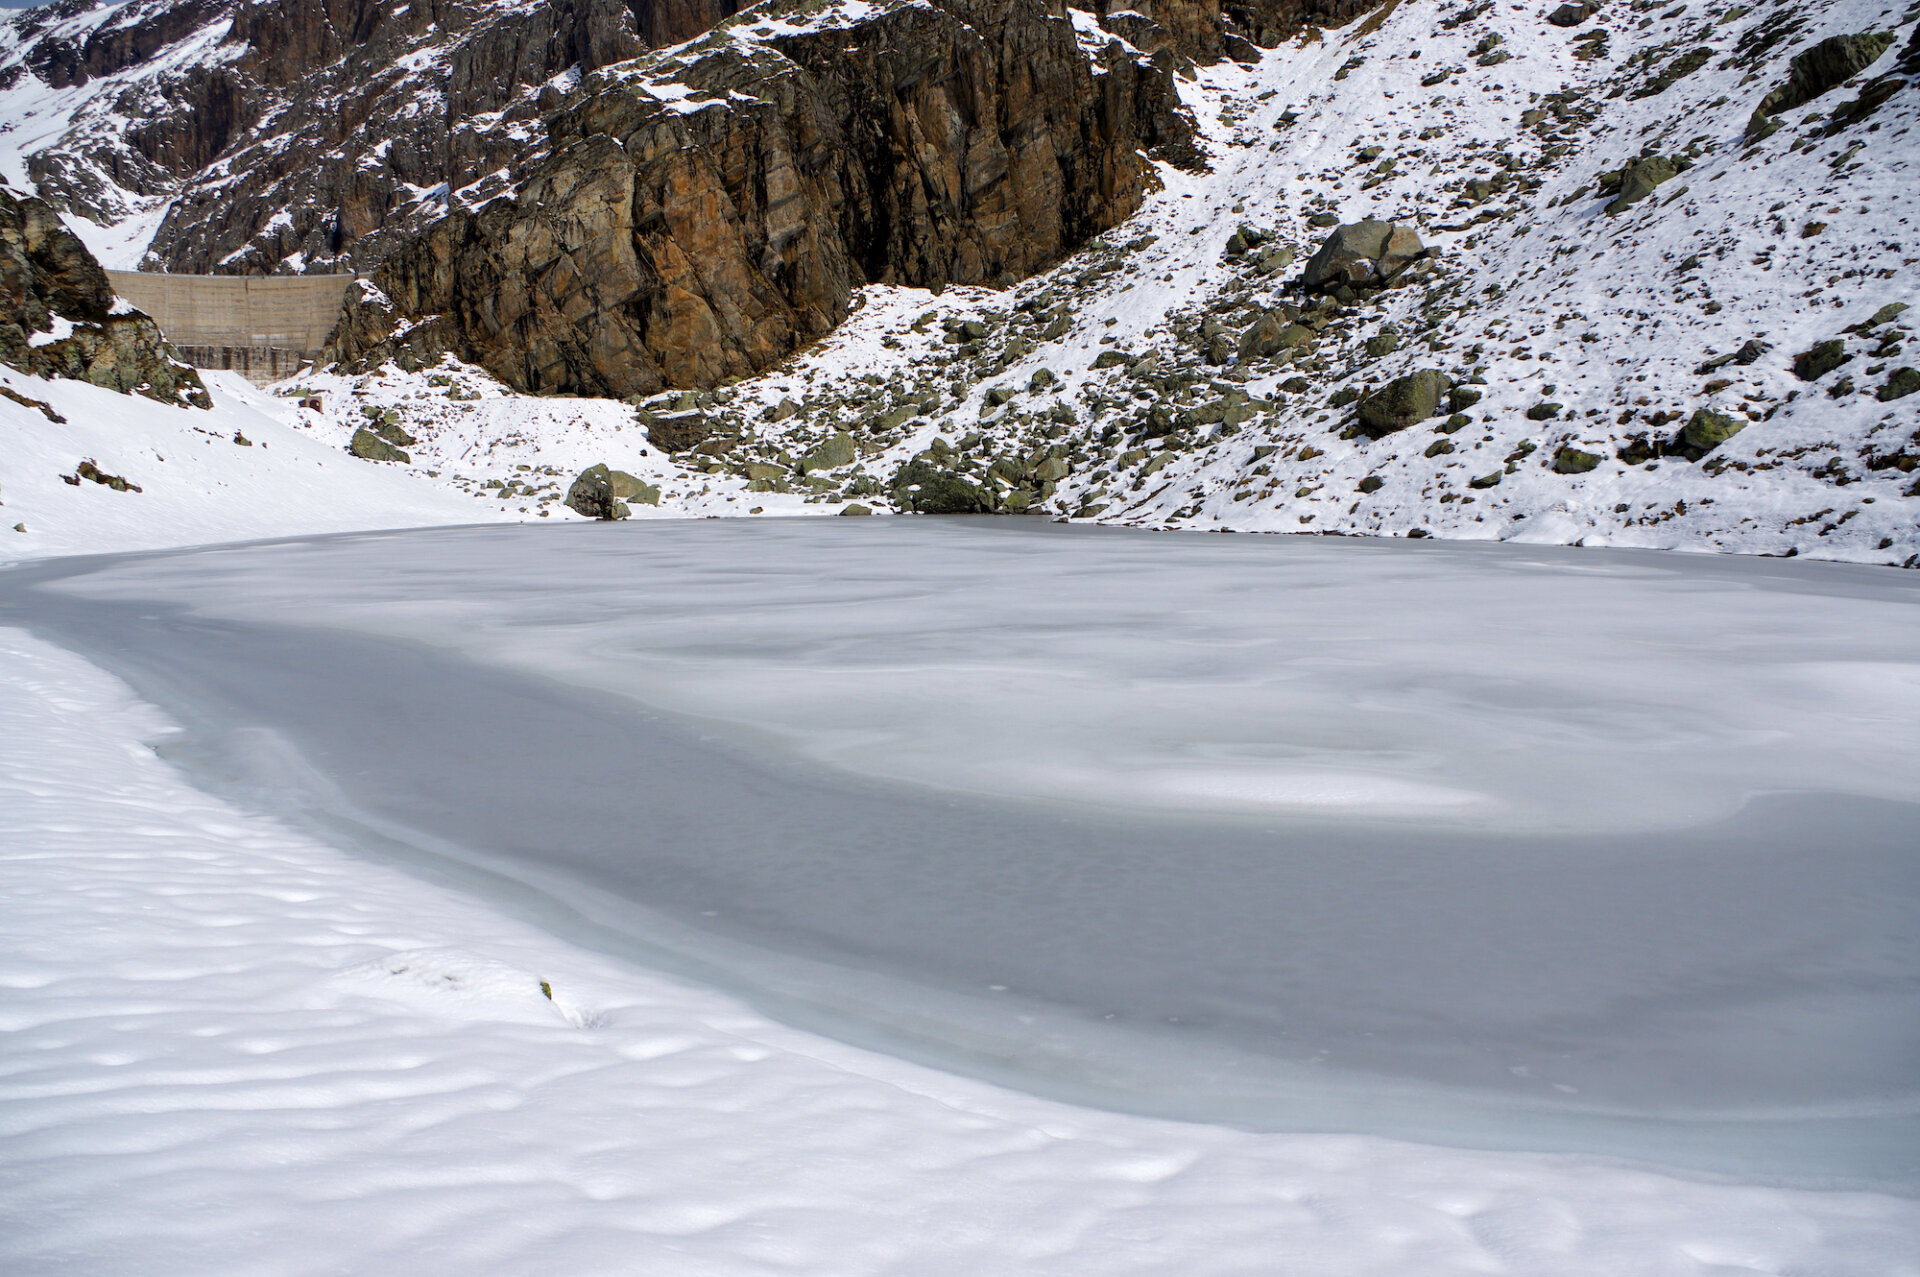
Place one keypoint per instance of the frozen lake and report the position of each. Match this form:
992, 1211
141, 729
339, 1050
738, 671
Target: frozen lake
1571, 850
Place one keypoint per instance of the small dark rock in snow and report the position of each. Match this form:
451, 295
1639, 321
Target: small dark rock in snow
1901, 382
1812, 365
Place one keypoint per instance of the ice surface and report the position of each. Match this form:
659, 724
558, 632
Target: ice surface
1517, 848
1502, 688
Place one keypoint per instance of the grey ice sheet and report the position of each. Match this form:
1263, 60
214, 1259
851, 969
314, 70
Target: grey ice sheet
1379, 868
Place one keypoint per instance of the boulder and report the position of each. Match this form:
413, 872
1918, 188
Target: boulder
1276, 261
1574, 461
1814, 71
369, 446
830, 454
390, 429
1704, 431
627, 487
679, 431
923, 487
1368, 252
592, 494
1901, 382
1637, 180
88, 470
1823, 358
1402, 402
1264, 337
1572, 15
1885, 315
1051, 470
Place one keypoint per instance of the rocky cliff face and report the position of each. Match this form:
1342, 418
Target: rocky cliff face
314, 135
549, 203
57, 317
699, 217
303, 135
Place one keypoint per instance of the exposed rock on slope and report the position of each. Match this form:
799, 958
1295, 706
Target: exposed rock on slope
700, 218
314, 135
306, 134
57, 317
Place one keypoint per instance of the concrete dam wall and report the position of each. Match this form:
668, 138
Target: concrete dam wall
265, 327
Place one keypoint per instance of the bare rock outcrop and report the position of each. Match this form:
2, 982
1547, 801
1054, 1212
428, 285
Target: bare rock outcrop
317, 135
699, 218
310, 135
57, 317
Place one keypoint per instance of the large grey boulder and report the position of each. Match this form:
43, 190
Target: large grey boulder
1368, 252
923, 487
369, 446
1814, 71
1403, 402
592, 494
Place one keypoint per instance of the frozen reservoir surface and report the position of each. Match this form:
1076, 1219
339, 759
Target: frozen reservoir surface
1558, 850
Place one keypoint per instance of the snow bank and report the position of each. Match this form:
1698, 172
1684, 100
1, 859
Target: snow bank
232, 473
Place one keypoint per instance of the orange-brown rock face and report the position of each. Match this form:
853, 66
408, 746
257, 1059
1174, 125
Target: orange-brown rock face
669, 240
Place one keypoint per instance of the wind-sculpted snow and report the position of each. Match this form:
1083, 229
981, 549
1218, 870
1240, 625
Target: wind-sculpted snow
1511, 848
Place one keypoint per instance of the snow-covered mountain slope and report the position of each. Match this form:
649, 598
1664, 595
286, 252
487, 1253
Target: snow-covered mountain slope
184, 476
1576, 329
87, 89
1579, 343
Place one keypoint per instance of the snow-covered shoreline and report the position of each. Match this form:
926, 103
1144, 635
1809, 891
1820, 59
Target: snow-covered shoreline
231, 1049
